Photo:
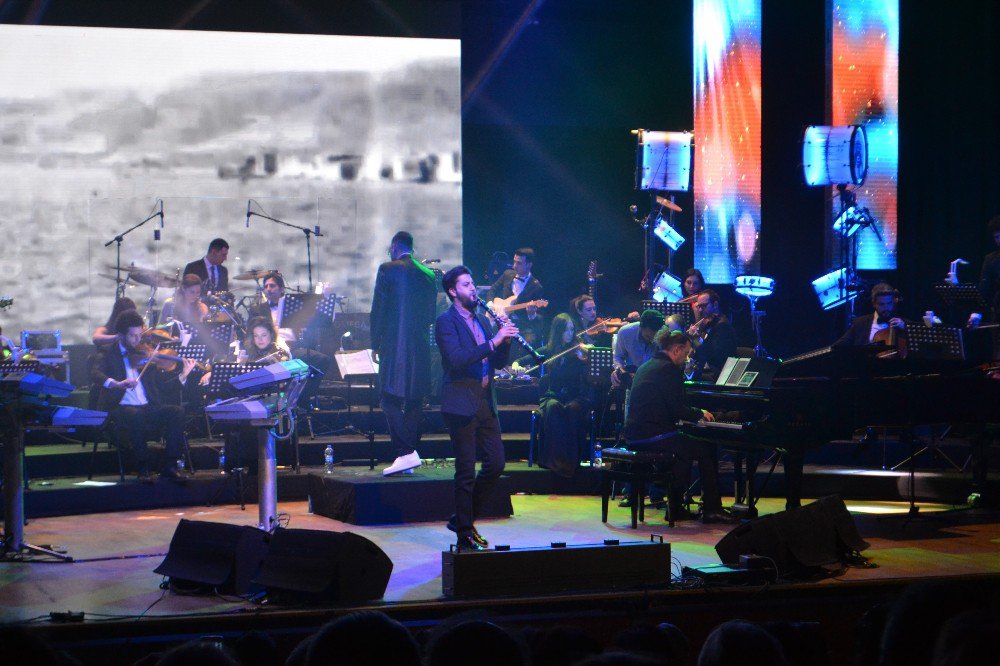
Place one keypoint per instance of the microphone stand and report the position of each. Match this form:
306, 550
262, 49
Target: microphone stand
308, 232
120, 284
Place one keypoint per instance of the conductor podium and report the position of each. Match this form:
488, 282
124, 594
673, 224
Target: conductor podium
272, 411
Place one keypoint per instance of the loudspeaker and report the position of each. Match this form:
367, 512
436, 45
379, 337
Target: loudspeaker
214, 556
810, 536
611, 566
319, 567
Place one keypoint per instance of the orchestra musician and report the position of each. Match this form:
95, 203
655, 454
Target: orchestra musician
693, 282
471, 349
584, 309
185, 305
863, 330
132, 394
262, 344
273, 307
989, 279
657, 402
518, 280
634, 344
713, 337
401, 317
209, 268
565, 399
105, 334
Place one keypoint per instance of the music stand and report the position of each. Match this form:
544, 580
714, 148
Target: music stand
939, 342
600, 361
956, 295
360, 364
667, 309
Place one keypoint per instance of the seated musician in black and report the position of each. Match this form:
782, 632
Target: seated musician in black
274, 308
713, 337
565, 399
134, 399
656, 403
864, 329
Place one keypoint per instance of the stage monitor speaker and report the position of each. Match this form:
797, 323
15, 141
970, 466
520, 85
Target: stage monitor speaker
214, 557
797, 540
320, 567
556, 569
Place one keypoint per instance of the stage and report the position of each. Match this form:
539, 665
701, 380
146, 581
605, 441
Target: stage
111, 579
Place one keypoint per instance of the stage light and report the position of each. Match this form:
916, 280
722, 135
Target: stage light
835, 155
662, 160
667, 288
832, 289
666, 233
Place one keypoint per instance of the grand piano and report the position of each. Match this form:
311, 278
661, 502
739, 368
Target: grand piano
829, 393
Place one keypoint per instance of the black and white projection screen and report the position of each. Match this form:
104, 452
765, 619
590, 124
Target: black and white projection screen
360, 136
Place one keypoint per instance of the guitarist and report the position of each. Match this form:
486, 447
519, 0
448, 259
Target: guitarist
517, 285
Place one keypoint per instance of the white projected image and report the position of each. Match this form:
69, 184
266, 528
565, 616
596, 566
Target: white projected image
359, 136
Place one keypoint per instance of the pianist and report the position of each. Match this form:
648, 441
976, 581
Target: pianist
656, 403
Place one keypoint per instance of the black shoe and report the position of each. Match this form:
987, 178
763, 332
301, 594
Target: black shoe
146, 477
173, 474
476, 536
719, 516
625, 503
468, 544
680, 514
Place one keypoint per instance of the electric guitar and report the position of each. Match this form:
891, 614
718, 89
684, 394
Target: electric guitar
504, 305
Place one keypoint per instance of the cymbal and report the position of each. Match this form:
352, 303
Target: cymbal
153, 278
667, 203
255, 274
114, 278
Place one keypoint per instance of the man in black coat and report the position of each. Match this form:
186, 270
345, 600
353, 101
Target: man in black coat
139, 405
656, 403
518, 281
209, 268
863, 329
714, 337
471, 349
401, 318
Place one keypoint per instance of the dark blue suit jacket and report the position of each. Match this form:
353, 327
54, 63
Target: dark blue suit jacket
462, 388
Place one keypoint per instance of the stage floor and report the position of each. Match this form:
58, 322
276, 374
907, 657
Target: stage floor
115, 553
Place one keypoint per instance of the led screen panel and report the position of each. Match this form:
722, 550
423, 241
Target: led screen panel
727, 165
359, 136
865, 91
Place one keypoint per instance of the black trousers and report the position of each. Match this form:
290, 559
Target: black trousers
143, 422
468, 433
404, 418
686, 450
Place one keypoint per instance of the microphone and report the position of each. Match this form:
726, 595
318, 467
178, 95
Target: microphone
161, 214
517, 336
428, 262
248, 213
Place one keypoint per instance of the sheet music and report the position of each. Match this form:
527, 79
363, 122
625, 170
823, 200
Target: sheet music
356, 363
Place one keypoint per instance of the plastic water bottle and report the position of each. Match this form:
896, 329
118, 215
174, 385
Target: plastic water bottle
328, 459
222, 460
180, 464
597, 460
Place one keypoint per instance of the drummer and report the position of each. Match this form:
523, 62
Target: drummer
214, 276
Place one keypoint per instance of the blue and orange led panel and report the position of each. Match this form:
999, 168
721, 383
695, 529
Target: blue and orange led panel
727, 105
865, 91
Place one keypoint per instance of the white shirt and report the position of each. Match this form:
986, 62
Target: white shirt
876, 327
519, 283
133, 396
212, 271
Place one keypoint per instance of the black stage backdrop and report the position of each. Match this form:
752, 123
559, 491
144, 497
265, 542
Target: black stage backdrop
552, 89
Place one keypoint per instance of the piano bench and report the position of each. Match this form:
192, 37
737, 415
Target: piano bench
641, 469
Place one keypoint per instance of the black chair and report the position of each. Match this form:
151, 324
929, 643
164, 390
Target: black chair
641, 469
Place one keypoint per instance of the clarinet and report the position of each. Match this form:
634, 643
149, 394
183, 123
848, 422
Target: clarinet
517, 336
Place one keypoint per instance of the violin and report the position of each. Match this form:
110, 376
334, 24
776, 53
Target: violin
702, 326
166, 360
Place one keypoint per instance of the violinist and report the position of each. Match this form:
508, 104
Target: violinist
634, 345
693, 284
713, 337
262, 343
565, 399
864, 329
133, 390
584, 310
